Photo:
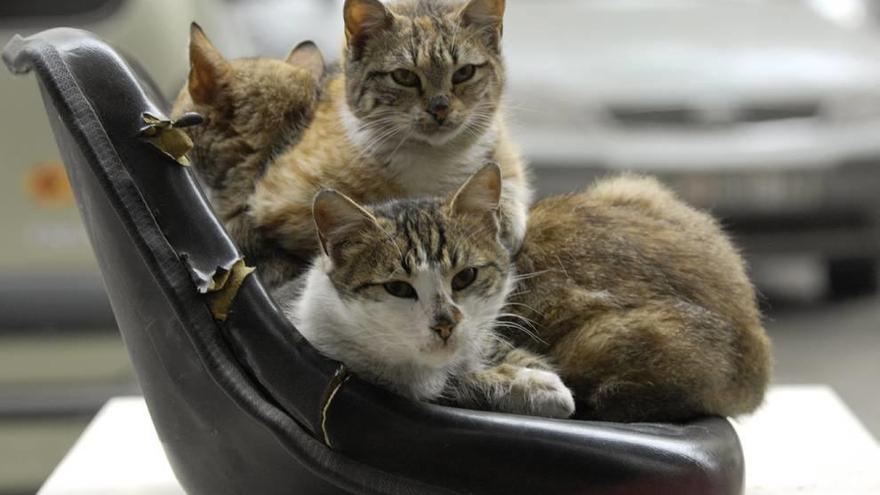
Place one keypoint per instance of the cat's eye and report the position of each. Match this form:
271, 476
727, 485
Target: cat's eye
464, 278
405, 77
400, 289
464, 73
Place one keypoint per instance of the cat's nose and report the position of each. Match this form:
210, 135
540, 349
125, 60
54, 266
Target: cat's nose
444, 330
438, 107
445, 323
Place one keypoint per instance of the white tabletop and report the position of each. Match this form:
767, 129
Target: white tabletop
802, 441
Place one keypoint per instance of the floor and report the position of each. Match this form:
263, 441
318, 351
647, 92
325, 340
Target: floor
837, 344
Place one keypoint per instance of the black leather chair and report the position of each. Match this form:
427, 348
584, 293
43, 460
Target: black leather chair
246, 406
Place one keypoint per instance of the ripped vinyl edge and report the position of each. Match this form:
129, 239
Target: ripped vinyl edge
222, 297
336, 382
166, 135
212, 281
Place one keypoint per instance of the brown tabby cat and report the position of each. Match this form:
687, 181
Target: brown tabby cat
415, 111
638, 301
642, 303
253, 109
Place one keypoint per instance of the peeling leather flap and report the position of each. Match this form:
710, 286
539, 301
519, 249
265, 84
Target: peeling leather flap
339, 378
224, 287
167, 136
209, 281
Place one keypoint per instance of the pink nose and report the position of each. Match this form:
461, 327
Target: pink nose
438, 107
444, 330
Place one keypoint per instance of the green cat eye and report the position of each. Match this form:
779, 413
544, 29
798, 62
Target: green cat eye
464, 73
464, 278
405, 77
400, 289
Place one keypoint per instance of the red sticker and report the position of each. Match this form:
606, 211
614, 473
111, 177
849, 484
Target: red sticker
47, 185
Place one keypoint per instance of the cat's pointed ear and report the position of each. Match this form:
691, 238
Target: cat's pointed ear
480, 195
363, 18
487, 16
306, 55
207, 67
337, 218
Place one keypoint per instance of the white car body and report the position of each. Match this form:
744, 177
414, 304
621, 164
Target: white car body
768, 84
764, 111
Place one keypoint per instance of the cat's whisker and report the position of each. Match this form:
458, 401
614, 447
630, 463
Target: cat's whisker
478, 124
531, 323
514, 326
405, 139
376, 124
526, 276
562, 266
512, 303
371, 146
474, 232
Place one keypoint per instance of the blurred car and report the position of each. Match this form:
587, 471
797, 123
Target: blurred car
766, 112
60, 357
47, 272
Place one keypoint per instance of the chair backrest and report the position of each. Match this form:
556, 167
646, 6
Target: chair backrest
156, 239
247, 406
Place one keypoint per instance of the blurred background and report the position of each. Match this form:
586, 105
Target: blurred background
765, 112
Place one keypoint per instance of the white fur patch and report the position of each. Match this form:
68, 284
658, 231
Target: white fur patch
390, 342
545, 393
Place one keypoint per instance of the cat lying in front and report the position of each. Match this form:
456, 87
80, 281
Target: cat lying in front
637, 301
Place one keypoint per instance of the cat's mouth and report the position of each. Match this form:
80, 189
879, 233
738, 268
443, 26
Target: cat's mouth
436, 134
439, 352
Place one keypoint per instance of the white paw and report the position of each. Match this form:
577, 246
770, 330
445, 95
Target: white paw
541, 393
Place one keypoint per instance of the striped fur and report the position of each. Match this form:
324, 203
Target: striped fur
374, 140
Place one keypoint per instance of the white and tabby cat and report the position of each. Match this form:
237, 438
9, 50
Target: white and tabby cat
408, 294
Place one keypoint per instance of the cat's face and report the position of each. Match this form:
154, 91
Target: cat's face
424, 71
249, 104
422, 281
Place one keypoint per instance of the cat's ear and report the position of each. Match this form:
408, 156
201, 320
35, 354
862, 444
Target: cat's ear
480, 195
486, 16
337, 218
208, 69
362, 19
306, 55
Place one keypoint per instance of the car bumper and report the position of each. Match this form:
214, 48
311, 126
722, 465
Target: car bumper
821, 194
778, 146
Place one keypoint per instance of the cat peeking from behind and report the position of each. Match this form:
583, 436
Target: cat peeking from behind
253, 110
414, 111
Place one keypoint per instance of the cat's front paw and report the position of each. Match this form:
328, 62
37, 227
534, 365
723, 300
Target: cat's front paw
540, 393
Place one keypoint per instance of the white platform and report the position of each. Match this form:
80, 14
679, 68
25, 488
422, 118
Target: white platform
803, 441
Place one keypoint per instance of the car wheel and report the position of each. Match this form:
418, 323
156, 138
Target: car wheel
852, 277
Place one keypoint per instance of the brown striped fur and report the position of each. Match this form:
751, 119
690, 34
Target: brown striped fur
252, 109
643, 303
373, 139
